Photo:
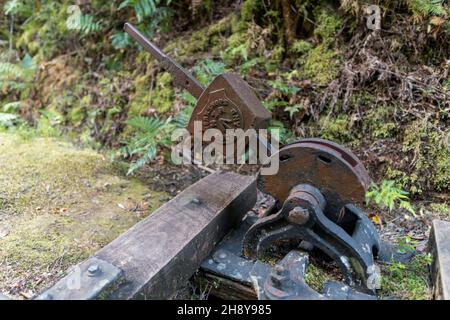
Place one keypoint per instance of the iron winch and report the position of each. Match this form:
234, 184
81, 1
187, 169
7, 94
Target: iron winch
318, 192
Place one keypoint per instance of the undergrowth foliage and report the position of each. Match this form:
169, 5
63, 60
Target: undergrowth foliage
389, 196
84, 23
332, 77
150, 134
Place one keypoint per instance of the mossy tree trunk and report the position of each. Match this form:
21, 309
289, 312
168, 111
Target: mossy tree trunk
290, 20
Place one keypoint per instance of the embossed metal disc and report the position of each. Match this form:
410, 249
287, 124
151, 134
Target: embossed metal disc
222, 114
331, 168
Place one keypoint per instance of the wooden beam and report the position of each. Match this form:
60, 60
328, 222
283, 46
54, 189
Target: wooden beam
159, 254
440, 250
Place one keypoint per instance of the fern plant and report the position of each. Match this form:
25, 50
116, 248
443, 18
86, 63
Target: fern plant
83, 23
426, 8
293, 109
285, 135
283, 87
150, 134
142, 8
12, 7
17, 77
208, 69
248, 65
8, 119
151, 15
388, 195
121, 40
283, 93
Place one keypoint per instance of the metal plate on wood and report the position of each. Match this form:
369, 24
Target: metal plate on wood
159, 254
91, 279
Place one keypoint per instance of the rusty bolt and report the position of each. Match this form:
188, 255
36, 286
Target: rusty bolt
299, 215
220, 256
279, 276
279, 269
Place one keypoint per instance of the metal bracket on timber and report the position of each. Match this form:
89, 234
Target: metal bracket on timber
157, 256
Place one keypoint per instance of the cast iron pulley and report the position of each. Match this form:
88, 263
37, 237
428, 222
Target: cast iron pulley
316, 188
333, 169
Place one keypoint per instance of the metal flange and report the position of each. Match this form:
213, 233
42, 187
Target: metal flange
334, 170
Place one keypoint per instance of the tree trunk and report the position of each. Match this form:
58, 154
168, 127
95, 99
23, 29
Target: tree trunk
290, 21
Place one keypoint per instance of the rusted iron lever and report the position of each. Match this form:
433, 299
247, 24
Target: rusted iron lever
180, 75
228, 102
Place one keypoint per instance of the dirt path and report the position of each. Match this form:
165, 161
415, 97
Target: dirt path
58, 205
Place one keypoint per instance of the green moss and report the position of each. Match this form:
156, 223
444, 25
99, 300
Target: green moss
276, 56
428, 147
316, 277
140, 101
77, 115
47, 128
198, 42
378, 121
249, 10
60, 205
160, 98
321, 64
336, 129
205, 39
442, 208
301, 47
401, 178
407, 281
328, 24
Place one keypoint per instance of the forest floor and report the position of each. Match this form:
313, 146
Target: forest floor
58, 205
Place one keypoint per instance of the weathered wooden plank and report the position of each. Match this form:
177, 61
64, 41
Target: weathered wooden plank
440, 249
159, 254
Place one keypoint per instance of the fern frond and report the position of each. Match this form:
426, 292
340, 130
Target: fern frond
12, 106
181, 120
389, 195
145, 124
8, 119
151, 134
83, 23
10, 70
426, 8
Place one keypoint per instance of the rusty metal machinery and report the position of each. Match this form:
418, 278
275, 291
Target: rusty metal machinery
227, 103
317, 190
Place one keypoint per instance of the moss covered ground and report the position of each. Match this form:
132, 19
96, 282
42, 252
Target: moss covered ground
58, 205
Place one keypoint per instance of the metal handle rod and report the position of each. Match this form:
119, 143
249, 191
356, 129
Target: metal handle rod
181, 76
